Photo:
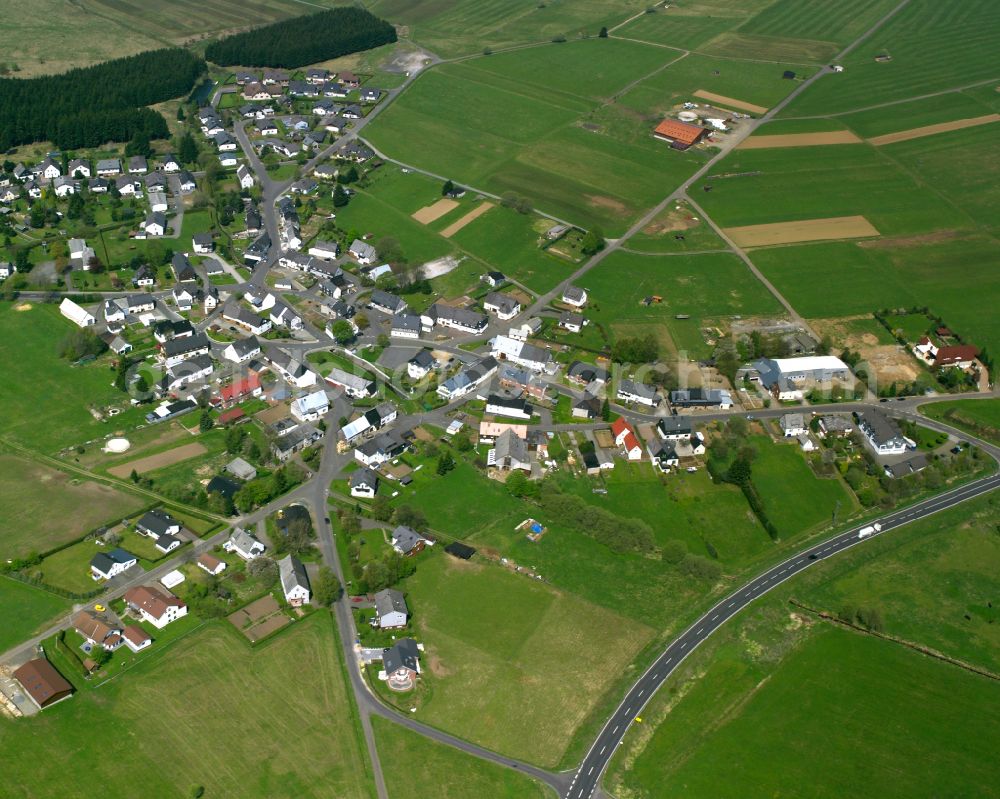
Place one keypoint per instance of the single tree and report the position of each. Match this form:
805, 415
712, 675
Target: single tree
447, 188
325, 588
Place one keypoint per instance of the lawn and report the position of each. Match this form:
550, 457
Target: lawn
703, 287
46, 400
25, 610
69, 568
794, 498
459, 27
914, 114
660, 235
842, 713
934, 46
498, 641
226, 714
978, 417
533, 123
841, 279
690, 27
51, 508
417, 766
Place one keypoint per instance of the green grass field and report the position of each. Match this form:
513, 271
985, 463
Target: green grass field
416, 766
978, 417
26, 610
460, 27
934, 46
496, 640
69, 568
659, 236
226, 714
532, 122
691, 26
843, 714
51, 508
789, 184
705, 287
794, 498
912, 114
46, 405
842, 278
956, 553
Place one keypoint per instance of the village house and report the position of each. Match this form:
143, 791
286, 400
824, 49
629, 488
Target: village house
420, 365
391, 612
401, 664
105, 565
882, 433
407, 541
310, 408
575, 296
509, 452
355, 386
381, 449
211, 564
663, 454
294, 581
792, 425
468, 379
156, 606
363, 483
462, 319
244, 544
504, 306
242, 350
638, 393
521, 353
701, 398
363, 253
625, 438
96, 631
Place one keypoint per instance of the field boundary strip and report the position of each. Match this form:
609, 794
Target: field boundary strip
731, 102
158, 461
835, 227
800, 140
470, 217
933, 130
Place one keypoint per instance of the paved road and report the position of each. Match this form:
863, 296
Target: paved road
587, 776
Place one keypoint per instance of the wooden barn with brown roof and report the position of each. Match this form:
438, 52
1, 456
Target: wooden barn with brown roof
42, 683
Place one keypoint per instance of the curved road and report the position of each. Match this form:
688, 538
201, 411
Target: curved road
589, 773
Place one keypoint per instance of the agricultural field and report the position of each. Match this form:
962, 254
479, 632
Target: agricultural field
933, 47
768, 711
452, 28
676, 229
979, 417
705, 287
52, 508
26, 609
57, 36
842, 278
418, 766
495, 639
569, 153
753, 187
263, 693
816, 677
912, 114
956, 552
690, 26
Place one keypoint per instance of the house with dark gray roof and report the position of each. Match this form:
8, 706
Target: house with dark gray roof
407, 541
401, 664
391, 612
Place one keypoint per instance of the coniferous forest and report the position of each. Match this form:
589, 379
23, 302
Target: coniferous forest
296, 42
89, 106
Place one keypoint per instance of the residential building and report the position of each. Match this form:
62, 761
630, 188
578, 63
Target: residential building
881, 432
294, 581
356, 386
509, 452
638, 393
675, 428
405, 326
793, 425
311, 407
503, 305
363, 253
391, 612
242, 350
381, 449
211, 564
662, 454
468, 379
401, 664
508, 406
625, 438
407, 541
786, 378
420, 365
701, 398
521, 353
363, 483
387, 303
461, 319
105, 565
96, 630
572, 295
571, 322
156, 606
244, 544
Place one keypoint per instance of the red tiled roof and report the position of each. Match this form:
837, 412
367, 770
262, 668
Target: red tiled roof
679, 131
620, 426
630, 442
136, 634
240, 388
152, 600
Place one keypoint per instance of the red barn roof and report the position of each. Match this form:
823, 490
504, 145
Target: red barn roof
680, 132
620, 426
232, 415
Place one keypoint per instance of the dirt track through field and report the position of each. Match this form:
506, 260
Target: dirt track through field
158, 461
800, 140
835, 227
931, 130
431, 213
729, 102
474, 214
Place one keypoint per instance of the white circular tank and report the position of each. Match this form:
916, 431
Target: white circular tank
687, 116
117, 445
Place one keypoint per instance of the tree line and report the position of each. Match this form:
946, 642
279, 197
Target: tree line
308, 39
88, 106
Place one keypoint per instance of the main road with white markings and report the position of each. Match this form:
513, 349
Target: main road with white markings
587, 777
